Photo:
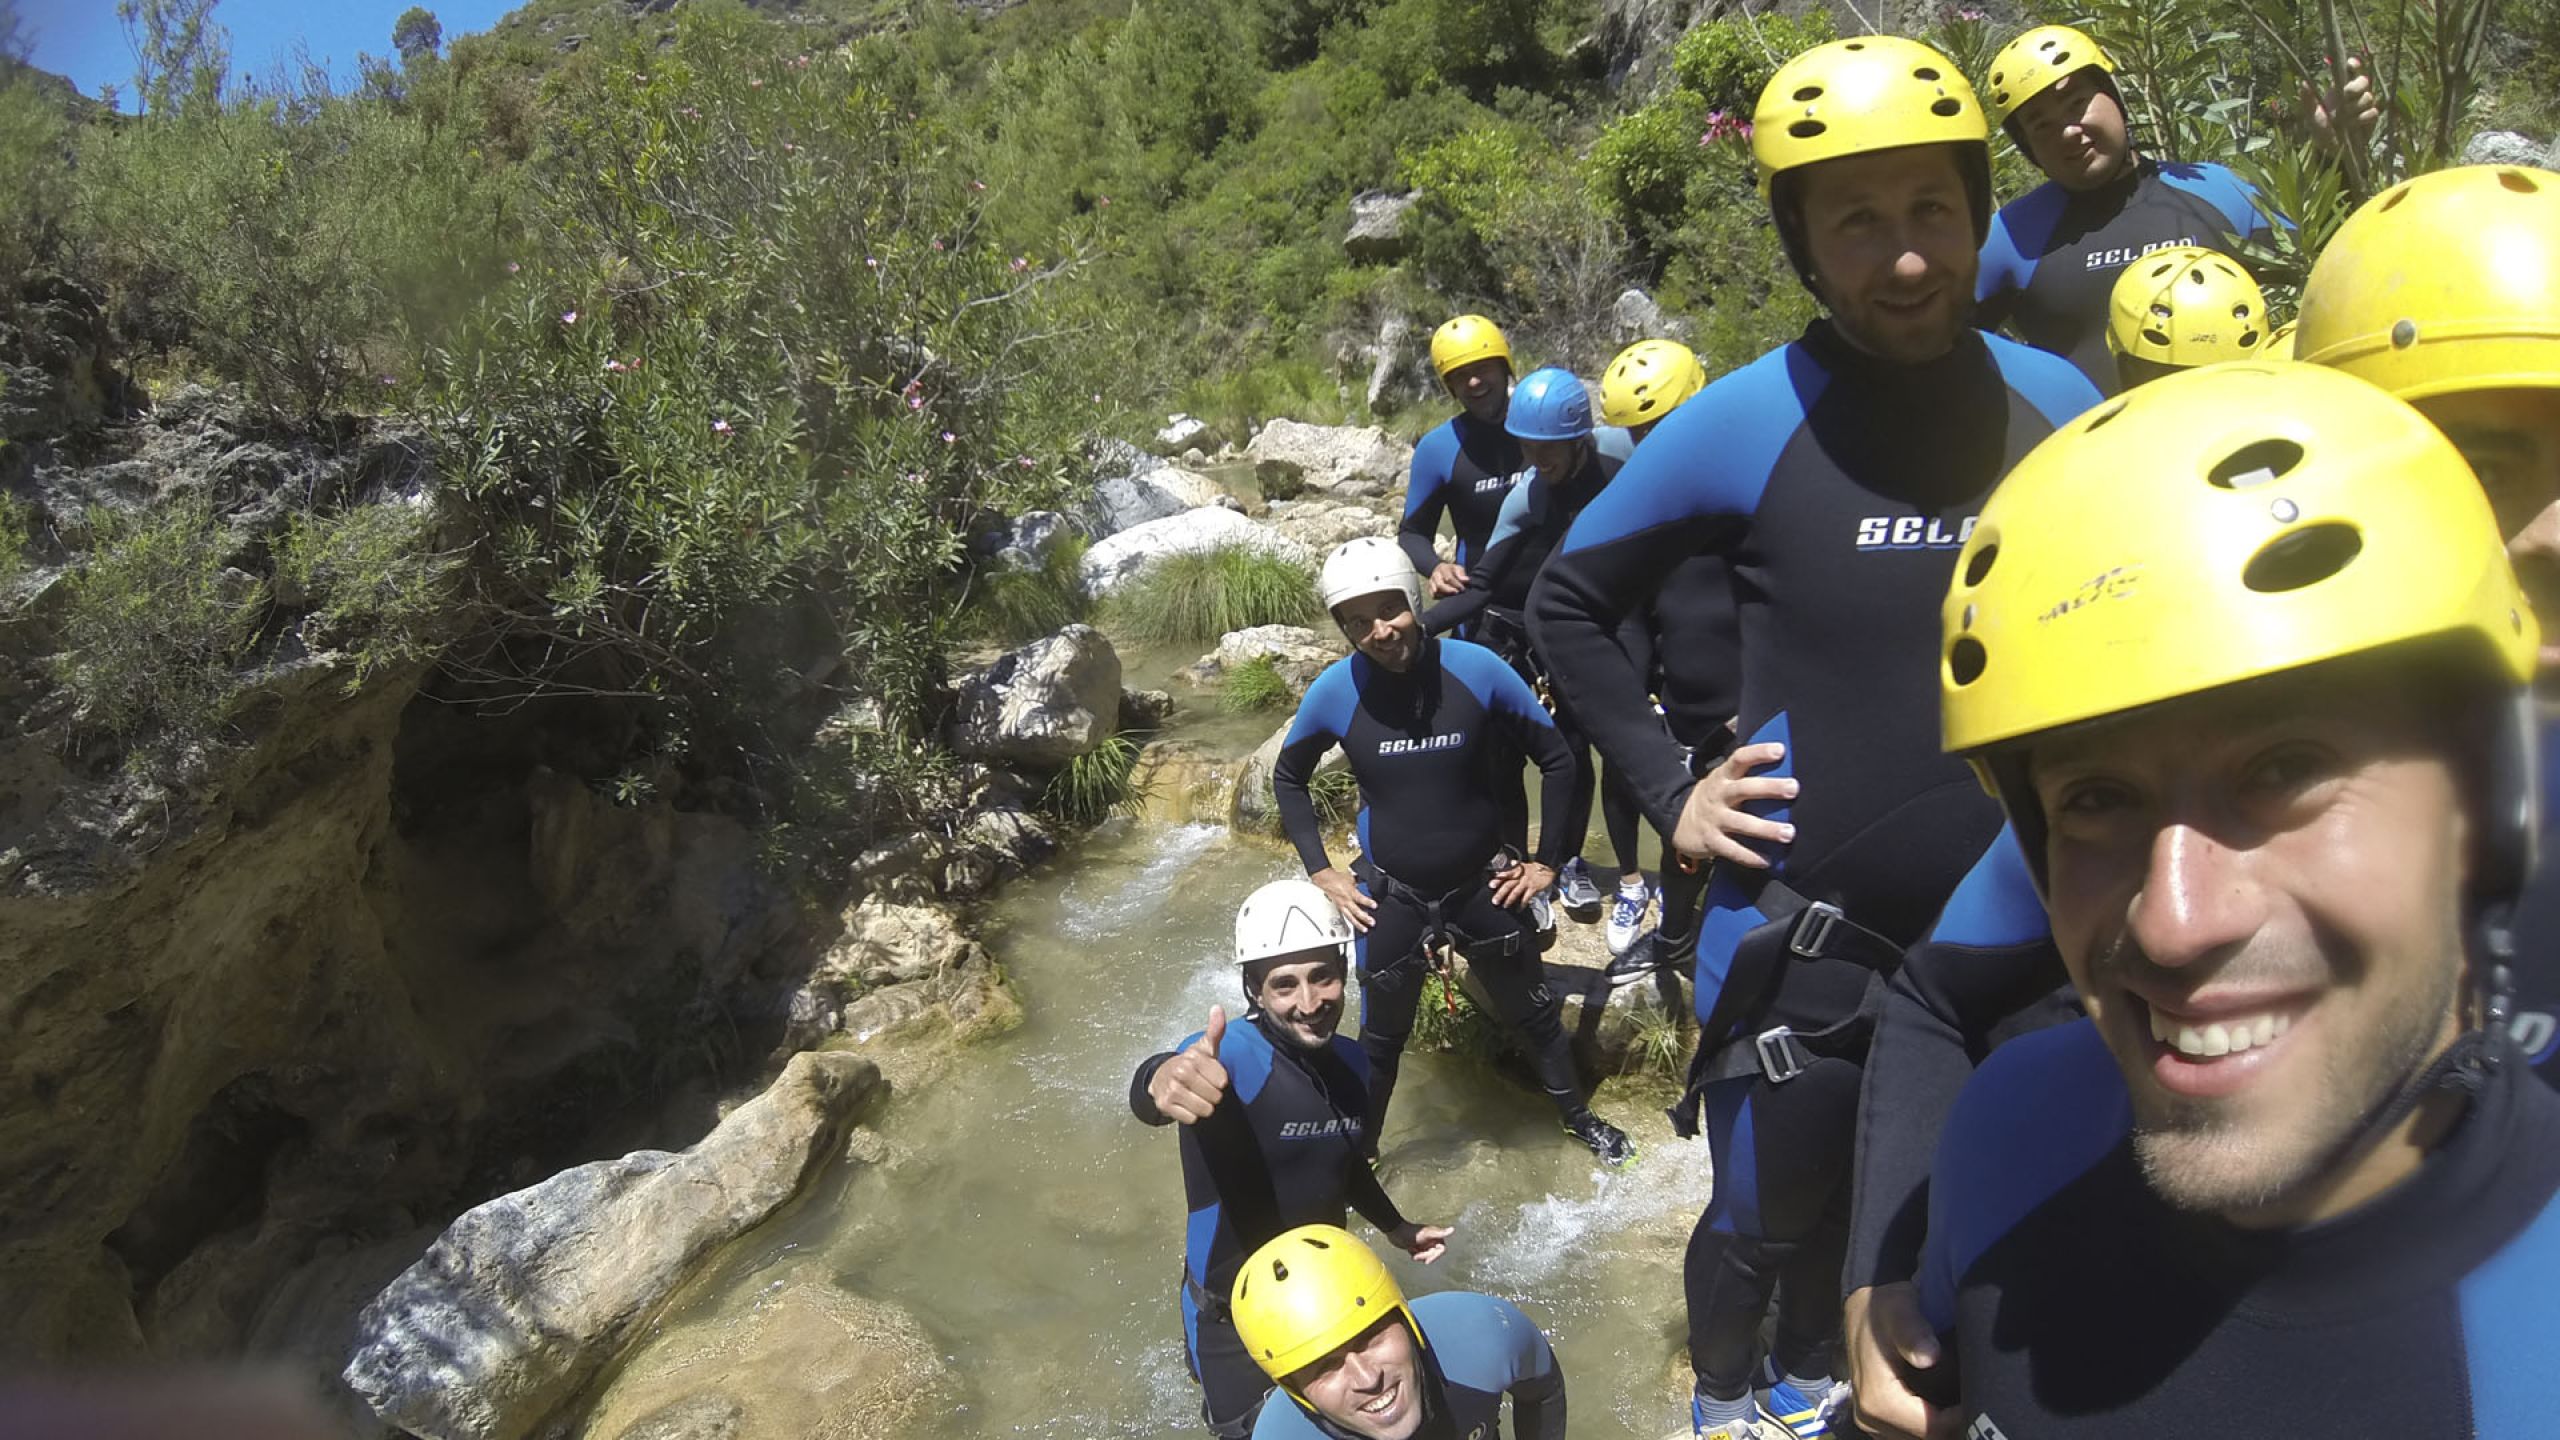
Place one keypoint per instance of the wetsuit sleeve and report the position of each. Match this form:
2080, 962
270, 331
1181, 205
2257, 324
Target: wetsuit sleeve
1515, 705
1484, 577
1141, 1104
1426, 495
1999, 277
1316, 728
1690, 489
1940, 1008
1369, 1196
1537, 1395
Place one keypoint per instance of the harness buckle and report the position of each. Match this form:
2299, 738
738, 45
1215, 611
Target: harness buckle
1778, 1061
1812, 933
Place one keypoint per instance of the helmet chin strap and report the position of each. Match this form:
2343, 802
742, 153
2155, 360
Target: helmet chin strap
2468, 1064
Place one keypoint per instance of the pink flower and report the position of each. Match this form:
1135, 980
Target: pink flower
720, 427
950, 439
871, 262
915, 477
1106, 202
615, 367
1020, 264
1967, 12
974, 184
799, 62
388, 379
568, 317
937, 247
513, 267
790, 149
639, 79
756, 84
915, 402
690, 113
1023, 460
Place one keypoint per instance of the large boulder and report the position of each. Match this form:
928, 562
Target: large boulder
1399, 370
1320, 525
1124, 502
898, 962
1377, 224
1180, 433
524, 1299
2505, 147
1046, 703
1345, 459
1297, 655
1114, 561
1029, 538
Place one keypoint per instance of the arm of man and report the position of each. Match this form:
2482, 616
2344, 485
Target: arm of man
1425, 497
1485, 576
1690, 489
1999, 275
1537, 1387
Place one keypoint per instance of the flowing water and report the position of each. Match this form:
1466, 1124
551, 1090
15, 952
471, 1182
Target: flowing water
1033, 1227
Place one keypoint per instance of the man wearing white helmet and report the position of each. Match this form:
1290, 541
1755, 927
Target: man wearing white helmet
1426, 723
1271, 1111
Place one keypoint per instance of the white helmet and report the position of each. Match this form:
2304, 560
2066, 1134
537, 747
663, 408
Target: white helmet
1366, 566
1286, 917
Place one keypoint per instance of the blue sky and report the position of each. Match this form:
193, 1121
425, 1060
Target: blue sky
81, 39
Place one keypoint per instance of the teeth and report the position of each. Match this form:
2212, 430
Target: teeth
2223, 1037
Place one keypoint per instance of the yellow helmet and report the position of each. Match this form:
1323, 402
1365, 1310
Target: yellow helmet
1649, 380
1308, 1291
2279, 344
2031, 64
2184, 305
1466, 340
1851, 97
2447, 281
2217, 525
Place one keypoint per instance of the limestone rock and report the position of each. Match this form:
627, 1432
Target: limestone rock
1113, 562
1321, 525
1297, 655
1123, 502
1635, 317
1345, 459
1046, 703
524, 1298
1399, 371
1030, 536
809, 1360
1145, 709
1180, 432
2505, 147
1377, 224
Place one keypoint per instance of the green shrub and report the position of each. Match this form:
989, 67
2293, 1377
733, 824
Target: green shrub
1011, 607
13, 545
1253, 685
1199, 596
1726, 64
373, 580
1094, 786
155, 626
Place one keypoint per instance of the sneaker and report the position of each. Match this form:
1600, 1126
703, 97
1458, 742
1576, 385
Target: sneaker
1786, 1411
1749, 1427
1542, 911
1606, 1140
1626, 916
1581, 892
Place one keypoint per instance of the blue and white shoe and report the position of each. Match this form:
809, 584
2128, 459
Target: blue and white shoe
1788, 1411
1749, 1427
1581, 894
1626, 916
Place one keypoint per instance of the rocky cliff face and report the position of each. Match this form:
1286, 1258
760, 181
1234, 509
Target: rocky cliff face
264, 1025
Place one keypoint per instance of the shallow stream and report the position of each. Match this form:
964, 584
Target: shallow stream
1033, 1227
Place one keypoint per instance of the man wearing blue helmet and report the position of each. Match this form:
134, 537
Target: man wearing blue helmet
1550, 416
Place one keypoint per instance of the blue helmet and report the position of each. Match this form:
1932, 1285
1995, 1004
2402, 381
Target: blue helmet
1549, 404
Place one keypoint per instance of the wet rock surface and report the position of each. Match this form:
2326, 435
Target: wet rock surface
1114, 562
1343, 459
1044, 704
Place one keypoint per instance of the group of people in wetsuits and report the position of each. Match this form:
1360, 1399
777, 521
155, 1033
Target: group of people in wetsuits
2123, 957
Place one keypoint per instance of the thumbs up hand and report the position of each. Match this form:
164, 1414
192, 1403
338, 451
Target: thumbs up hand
1190, 1085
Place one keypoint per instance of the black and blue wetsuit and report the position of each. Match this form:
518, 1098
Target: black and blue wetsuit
1534, 518
1425, 745
2082, 1304
1282, 1149
1476, 1349
1465, 467
1988, 971
1839, 487
2050, 262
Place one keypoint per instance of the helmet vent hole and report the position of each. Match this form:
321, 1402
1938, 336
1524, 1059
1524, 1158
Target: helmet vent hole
2156, 337
2261, 463
1807, 129
1808, 93
2518, 181
1279, 1270
2248, 338
1855, 45
2105, 413
1947, 105
2303, 557
1977, 567
2392, 200
1966, 660
1926, 72
2061, 57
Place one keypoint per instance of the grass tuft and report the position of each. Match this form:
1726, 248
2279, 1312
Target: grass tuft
1097, 785
1253, 685
1197, 597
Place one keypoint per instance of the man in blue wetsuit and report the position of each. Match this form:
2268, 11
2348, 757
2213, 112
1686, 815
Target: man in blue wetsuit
2457, 263
1424, 722
1358, 1361
1550, 416
1271, 1111
2053, 253
1465, 467
2256, 708
1838, 475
